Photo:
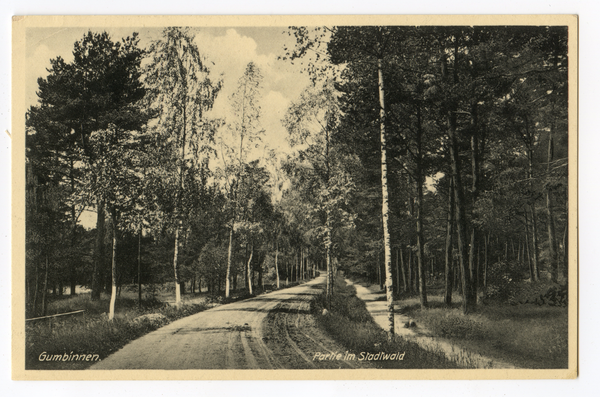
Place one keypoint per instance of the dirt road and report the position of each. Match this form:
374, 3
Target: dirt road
271, 331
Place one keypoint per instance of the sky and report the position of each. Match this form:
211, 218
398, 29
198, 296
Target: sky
229, 48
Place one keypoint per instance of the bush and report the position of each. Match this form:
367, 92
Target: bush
543, 292
502, 280
460, 327
555, 296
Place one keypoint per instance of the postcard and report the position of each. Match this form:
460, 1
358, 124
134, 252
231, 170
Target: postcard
295, 197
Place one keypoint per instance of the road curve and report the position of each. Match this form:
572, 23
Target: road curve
270, 331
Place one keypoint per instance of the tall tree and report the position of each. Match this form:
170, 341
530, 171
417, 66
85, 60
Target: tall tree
244, 133
311, 122
369, 50
99, 88
116, 177
180, 92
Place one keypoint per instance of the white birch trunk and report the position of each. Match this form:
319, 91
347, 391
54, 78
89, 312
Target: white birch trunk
384, 205
113, 290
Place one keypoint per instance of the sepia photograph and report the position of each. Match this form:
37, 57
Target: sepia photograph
365, 197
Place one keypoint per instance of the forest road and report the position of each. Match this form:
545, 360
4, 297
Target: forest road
271, 331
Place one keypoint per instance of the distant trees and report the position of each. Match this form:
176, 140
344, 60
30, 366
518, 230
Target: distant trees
317, 172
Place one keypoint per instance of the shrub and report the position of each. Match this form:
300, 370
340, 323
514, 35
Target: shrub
502, 279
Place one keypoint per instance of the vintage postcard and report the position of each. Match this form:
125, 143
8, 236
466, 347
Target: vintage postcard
295, 197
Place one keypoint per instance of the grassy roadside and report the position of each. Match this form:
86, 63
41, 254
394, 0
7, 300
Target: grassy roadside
350, 324
94, 334
528, 335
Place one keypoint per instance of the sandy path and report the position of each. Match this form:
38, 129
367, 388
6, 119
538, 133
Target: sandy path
377, 307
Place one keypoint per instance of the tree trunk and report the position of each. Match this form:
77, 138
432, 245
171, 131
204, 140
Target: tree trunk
295, 270
329, 276
178, 209
475, 161
45, 290
175, 258
260, 277
249, 269
410, 270
99, 250
113, 290
35, 292
486, 240
468, 304
139, 269
229, 258
552, 240
378, 264
384, 204
566, 247
420, 235
449, 269
403, 268
397, 273
529, 261
72, 278
458, 276
276, 262
301, 263
535, 275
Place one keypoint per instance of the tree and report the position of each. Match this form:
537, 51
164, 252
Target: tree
116, 177
369, 49
180, 91
100, 87
244, 133
311, 122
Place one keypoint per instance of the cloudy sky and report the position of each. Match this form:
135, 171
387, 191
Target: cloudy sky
229, 48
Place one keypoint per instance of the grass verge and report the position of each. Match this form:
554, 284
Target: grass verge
351, 325
528, 336
94, 334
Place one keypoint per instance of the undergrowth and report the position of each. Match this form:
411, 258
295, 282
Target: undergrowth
94, 333
350, 324
527, 335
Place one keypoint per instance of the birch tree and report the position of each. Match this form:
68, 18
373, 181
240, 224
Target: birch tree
243, 133
180, 92
370, 49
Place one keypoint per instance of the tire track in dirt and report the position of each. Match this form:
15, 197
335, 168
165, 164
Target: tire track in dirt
292, 330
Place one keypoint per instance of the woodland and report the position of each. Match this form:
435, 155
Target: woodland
432, 160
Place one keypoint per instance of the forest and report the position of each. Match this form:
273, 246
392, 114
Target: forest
432, 160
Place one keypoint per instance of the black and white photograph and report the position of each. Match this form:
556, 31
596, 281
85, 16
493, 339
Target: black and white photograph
365, 197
